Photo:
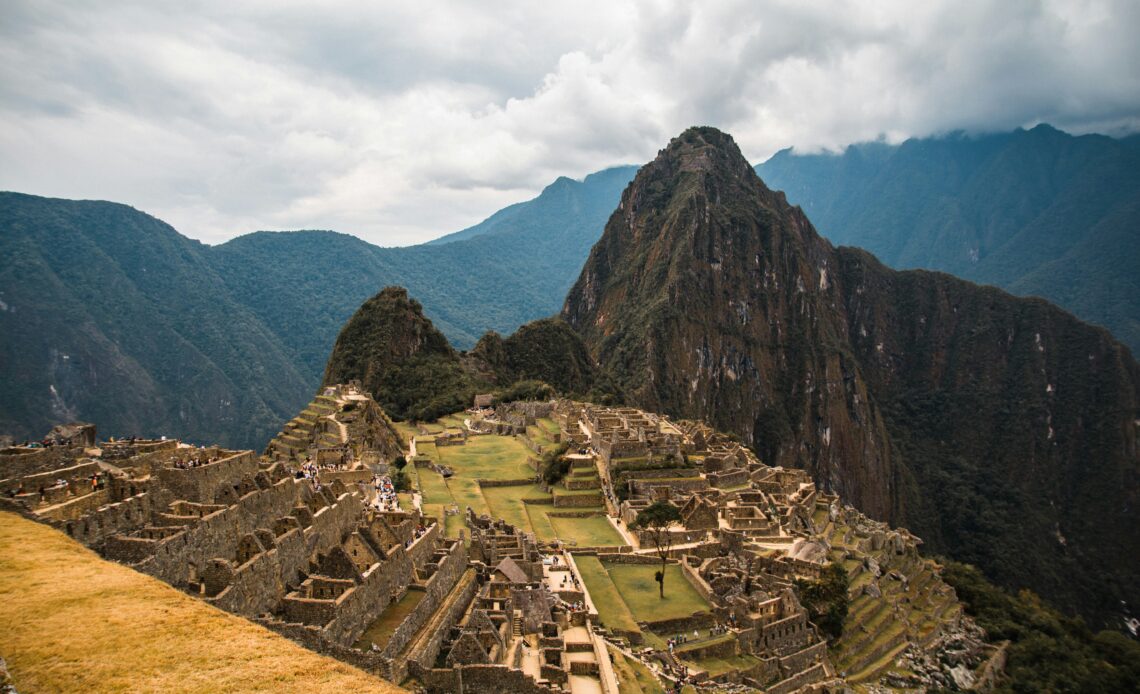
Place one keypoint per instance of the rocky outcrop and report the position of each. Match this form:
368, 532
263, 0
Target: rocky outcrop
400, 358
1001, 430
408, 366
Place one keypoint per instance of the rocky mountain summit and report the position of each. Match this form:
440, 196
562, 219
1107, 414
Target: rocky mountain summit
1001, 430
408, 365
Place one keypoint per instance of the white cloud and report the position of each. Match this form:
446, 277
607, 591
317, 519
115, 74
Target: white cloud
399, 123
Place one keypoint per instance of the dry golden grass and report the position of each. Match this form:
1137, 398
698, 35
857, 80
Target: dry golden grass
72, 622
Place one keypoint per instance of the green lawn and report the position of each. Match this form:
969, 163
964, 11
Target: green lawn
640, 591
426, 448
453, 524
538, 515
493, 457
434, 488
453, 421
465, 491
406, 431
488, 457
507, 502
593, 531
612, 610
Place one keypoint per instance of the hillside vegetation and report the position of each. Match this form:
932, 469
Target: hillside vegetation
1036, 212
111, 316
409, 367
1047, 651
74, 622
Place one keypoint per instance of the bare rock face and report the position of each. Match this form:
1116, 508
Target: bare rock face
989, 425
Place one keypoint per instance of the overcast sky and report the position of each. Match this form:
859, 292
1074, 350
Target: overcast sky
399, 122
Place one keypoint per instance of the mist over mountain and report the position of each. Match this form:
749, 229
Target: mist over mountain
1003, 431
1036, 212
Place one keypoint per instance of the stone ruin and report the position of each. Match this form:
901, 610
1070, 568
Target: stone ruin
294, 540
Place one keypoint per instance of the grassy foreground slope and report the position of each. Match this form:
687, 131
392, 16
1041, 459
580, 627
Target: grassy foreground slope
74, 622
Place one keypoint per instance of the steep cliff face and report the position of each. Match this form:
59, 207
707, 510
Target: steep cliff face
708, 296
1002, 430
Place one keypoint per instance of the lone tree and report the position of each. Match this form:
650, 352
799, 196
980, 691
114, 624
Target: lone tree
656, 520
826, 600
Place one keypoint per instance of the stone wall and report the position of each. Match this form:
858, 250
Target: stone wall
699, 584
798, 680
125, 516
310, 637
680, 625
435, 590
800, 660
348, 477
426, 649
480, 679
577, 500
680, 537
358, 607
729, 479
20, 462
645, 487
520, 482
218, 534
202, 484
723, 648
423, 547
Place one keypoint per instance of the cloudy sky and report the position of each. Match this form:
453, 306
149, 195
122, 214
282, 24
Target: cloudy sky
399, 122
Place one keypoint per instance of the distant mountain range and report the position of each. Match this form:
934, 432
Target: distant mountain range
109, 315
103, 307
1036, 212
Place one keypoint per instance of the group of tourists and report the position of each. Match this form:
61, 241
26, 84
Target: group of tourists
385, 499
197, 461
309, 471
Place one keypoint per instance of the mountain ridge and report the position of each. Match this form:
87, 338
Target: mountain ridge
711, 297
1008, 209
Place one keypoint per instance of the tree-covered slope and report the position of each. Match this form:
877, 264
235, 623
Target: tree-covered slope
398, 356
1036, 212
111, 316
1001, 430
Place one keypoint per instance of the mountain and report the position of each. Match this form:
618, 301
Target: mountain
1037, 212
513, 268
399, 356
1002, 431
564, 201
110, 316
545, 350
408, 366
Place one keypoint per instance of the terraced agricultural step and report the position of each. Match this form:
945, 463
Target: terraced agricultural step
877, 668
873, 648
